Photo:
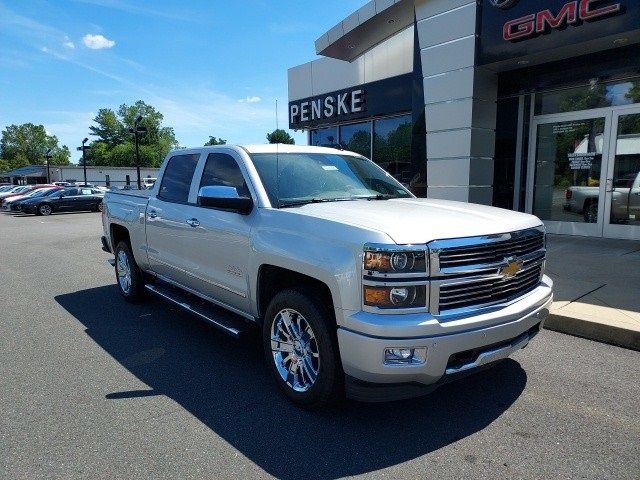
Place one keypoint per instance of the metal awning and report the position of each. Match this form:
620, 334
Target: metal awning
365, 28
28, 171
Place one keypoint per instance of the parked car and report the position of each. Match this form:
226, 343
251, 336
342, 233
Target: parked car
5, 188
148, 183
15, 203
21, 192
357, 286
625, 201
15, 190
63, 184
70, 199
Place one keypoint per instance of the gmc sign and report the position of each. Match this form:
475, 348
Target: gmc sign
510, 31
572, 13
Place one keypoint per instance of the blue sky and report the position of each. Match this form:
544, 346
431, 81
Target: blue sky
211, 67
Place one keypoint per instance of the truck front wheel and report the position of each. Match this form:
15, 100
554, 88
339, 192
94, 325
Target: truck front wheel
128, 274
301, 349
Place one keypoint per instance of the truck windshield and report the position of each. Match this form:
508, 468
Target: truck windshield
298, 178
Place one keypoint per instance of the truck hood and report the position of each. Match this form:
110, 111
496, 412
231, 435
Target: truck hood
421, 220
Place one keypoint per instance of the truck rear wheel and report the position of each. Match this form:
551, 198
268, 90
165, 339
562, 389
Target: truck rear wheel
590, 212
301, 349
128, 274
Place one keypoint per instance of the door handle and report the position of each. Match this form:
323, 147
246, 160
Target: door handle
193, 222
152, 214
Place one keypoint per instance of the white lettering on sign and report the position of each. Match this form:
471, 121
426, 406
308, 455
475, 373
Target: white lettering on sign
315, 109
328, 107
581, 161
294, 110
342, 107
344, 103
356, 101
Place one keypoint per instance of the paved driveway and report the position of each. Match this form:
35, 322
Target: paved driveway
91, 387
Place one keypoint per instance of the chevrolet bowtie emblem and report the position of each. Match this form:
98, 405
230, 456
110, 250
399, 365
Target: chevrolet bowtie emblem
512, 267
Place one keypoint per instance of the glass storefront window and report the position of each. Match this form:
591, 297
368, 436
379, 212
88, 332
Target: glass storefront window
324, 137
598, 95
568, 164
625, 188
356, 137
392, 146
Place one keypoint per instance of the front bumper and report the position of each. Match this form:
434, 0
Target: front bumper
476, 342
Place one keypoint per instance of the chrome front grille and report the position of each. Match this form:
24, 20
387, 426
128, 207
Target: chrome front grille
519, 245
470, 292
470, 273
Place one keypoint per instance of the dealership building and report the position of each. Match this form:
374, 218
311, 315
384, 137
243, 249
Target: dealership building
527, 105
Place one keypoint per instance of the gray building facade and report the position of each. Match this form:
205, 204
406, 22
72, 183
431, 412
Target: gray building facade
527, 105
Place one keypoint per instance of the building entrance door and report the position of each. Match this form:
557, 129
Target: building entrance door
622, 195
586, 176
566, 180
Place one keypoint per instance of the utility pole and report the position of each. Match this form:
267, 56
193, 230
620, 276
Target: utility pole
137, 130
47, 157
84, 148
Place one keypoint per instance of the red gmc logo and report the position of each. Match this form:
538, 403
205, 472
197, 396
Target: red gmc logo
571, 14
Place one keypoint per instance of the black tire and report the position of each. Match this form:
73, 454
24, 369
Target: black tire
328, 388
44, 209
99, 206
135, 291
590, 212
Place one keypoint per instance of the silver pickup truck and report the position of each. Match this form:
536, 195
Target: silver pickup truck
357, 286
625, 200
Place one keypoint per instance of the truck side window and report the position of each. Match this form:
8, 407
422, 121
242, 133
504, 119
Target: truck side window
222, 170
177, 177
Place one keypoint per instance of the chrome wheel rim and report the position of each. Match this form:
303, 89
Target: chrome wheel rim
45, 210
100, 207
295, 350
123, 270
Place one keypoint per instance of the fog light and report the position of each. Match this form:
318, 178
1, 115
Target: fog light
405, 356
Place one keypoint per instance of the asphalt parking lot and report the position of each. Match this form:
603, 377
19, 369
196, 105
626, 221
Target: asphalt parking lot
91, 387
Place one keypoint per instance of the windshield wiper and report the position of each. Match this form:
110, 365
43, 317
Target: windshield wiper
306, 201
379, 196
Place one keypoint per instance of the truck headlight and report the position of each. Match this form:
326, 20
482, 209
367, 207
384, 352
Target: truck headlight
401, 296
376, 260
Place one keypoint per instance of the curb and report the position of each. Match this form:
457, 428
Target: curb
599, 332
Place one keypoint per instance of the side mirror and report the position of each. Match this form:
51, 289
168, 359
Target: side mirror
224, 198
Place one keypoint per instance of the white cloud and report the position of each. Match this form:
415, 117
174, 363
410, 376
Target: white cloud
68, 43
97, 42
252, 99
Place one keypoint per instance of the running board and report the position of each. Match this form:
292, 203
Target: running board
218, 317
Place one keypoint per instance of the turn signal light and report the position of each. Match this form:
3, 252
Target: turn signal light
395, 297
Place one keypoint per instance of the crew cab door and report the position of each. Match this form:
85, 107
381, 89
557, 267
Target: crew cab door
220, 251
168, 234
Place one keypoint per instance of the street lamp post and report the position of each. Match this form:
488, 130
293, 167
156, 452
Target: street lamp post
84, 148
137, 130
47, 157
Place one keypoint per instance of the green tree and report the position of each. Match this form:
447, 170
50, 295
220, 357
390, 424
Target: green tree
280, 136
27, 144
215, 141
115, 145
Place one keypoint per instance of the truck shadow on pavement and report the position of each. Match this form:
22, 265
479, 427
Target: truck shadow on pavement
225, 384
